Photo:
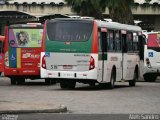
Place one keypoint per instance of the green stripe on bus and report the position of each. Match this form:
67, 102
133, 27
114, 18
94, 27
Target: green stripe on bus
72, 47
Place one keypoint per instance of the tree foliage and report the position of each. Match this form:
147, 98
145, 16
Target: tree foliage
119, 10
93, 8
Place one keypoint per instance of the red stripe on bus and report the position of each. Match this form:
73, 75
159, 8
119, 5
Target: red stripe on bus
44, 36
95, 38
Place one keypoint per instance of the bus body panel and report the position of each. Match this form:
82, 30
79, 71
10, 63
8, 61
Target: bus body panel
23, 60
67, 58
115, 59
152, 53
66, 65
129, 65
2, 40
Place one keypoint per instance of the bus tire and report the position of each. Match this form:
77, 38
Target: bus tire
71, 84
132, 83
63, 84
48, 81
20, 81
53, 81
150, 78
13, 81
111, 84
92, 84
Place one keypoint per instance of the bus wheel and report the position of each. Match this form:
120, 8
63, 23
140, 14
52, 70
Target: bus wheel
92, 84
67, 84
13, 81
150, 78
48, 81
71, 84
135, 78
112, 80
20, 81
63, 84
53, 81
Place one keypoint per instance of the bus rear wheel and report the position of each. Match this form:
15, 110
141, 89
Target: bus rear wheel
111, 85
67, 84
133, 82
20, 81
13, 81
50, 81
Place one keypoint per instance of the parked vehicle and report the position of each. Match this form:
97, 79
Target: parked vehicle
22, 52
90, 51
151, 56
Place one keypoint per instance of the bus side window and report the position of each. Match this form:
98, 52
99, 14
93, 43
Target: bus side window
110, 40
99, 41
135, 42
104, 41
130, 41
124, 42
117, 41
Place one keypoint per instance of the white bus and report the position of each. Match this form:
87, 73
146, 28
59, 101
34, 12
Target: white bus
90, 51
151, 56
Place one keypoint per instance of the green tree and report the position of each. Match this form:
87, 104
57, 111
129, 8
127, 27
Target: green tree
119, 10
93, 8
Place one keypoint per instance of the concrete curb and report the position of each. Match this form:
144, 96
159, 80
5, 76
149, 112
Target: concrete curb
23, 109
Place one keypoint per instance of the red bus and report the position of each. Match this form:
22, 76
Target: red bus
2, 39
22, 52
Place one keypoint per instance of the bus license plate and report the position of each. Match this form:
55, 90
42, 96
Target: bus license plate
67, 66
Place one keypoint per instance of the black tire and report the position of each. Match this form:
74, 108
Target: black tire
71, 84
111, 85
67, 84
132, 83
92, 84
63, 84
150, 78
20, 81
53, 81
13, 81
48, 81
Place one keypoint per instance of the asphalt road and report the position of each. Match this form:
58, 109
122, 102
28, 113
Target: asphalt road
142, 99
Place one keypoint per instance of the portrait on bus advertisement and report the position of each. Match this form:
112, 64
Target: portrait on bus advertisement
154, 40
25, 37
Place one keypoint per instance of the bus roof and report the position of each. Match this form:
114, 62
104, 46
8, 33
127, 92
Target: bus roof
112, 25
115, 25
26, 25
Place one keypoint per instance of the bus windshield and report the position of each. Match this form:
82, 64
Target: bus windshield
25, 38
69, 31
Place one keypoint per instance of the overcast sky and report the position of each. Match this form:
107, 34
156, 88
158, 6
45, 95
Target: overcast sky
58, 1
